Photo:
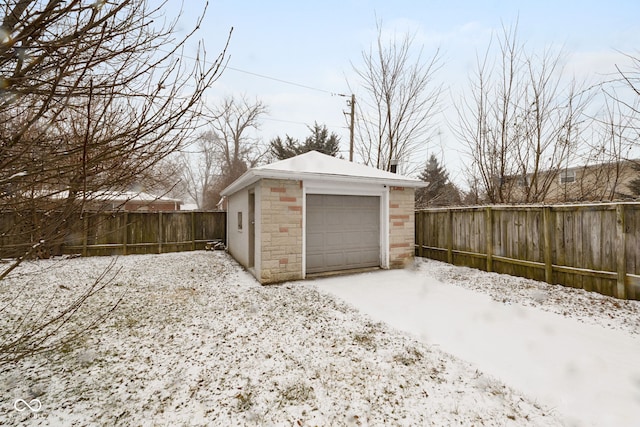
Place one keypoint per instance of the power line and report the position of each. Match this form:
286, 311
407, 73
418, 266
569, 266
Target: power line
301, 123
281, 80
350, 103
263, 76
285, 121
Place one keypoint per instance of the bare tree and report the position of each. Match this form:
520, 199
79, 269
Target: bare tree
93, 95
520, 121
222, 153
163, 179
606, 162
399, 103
236, 148
631, 79
200, 168
620, 130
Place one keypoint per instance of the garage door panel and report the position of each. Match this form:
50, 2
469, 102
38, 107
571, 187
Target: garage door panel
355, 239
315, 240
315, 217
358, 221
315, 260
362, 257
334, 260
369, 241
334, 219
342, 232
360, 239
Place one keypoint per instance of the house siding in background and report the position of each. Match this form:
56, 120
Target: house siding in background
591, 183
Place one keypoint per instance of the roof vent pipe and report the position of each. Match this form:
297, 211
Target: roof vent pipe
393, 166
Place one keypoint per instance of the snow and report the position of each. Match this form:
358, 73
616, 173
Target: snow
315, 165
122, 196
196, 341
319, 163
574, 351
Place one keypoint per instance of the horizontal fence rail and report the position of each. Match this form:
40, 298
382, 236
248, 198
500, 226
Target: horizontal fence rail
121, 233
595, 247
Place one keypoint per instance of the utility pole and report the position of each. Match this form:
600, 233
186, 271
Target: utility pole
352, 115
352, 104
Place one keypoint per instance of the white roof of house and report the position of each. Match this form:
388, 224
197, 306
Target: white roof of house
119, 196
136, 196
315, 165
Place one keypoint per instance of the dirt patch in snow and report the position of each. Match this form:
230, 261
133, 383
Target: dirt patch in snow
196, 341
589, 307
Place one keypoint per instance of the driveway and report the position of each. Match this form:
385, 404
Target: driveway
589, 374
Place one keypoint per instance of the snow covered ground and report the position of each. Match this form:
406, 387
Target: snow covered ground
587, 307
196, 341
571, 350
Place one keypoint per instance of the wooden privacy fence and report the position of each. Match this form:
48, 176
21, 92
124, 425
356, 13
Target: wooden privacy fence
595, 247
122, 233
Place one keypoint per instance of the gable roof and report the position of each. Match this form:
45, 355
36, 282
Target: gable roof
321, 166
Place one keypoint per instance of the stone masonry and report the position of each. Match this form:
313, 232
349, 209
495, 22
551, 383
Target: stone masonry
281, 235
401, 226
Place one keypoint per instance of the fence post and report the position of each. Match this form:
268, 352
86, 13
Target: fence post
450, 236
224, 227
85, 233
419, 228
193, 231
126, 226
621, 253
548, 244
160, 229
488, 227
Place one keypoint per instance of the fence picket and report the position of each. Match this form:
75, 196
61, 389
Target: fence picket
121, 233
586, 246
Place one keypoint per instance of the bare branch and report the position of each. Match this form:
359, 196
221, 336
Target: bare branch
520, 123
93, 97
400, 101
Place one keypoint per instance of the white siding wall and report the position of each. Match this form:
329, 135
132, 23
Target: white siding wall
257, 256
238, 240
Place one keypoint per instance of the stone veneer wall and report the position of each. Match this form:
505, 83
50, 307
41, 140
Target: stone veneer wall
401, 226
281, 234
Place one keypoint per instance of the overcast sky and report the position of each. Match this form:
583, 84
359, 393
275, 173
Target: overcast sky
315, 43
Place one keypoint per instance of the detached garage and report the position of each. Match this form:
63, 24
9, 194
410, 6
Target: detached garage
315, 213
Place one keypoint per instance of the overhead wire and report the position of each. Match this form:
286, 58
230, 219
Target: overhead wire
299, 123
264, 76
282, 81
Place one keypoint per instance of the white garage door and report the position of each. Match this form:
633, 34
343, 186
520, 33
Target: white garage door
343, 232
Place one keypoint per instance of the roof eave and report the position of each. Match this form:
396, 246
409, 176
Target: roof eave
246, 179
252, 176
399, 182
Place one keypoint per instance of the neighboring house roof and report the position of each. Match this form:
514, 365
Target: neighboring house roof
119, 196
189, 207
321, 166
134, 196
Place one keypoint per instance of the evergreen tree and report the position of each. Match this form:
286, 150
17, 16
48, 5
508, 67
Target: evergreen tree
634, 184
281, 150
320, 140
440, 192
